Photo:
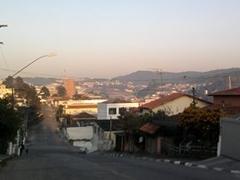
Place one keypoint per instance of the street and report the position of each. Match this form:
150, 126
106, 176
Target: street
50, 157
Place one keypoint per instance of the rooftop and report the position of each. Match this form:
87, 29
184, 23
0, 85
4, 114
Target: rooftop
166, 99
83, 115
149, 128
115, 101
80, 106
228, 92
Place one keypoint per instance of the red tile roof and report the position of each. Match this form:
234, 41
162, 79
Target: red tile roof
158, 102
228, 92
149, 128
115, 101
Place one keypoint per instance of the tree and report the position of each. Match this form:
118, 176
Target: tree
132, 120
200, 125
61, 91
10, 122
23, 90
9, 82
44, 92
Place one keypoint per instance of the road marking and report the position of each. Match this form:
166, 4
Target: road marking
166, 160
177, 162
188, 164
218, 169
235, 171
202, 166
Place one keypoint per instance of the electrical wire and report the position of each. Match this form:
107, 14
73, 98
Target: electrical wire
4, 57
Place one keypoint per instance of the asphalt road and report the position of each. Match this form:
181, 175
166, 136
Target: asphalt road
51, 158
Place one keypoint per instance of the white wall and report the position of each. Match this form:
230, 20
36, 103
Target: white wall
79, 133
178, 105
103, 109
230, 138
90, 138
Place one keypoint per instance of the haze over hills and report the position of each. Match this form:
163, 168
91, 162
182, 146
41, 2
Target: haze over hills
188, 76
39, 81
152, 82
144, 77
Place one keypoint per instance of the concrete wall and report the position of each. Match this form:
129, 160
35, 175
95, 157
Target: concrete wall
230, 138
79, 133
179, 105
91, 138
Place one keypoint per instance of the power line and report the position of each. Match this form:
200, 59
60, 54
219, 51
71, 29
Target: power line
4, 57
30, 73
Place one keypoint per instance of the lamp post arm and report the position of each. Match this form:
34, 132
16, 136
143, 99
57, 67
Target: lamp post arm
20, 70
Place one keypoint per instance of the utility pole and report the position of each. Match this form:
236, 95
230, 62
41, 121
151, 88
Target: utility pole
110, 131
229, 82
3, 25
194, 96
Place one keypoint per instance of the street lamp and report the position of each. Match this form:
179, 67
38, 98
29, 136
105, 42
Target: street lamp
3, 25
20, 70
24, 67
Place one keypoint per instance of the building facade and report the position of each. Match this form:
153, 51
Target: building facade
111, 110
174, 103
227, 98
69, 85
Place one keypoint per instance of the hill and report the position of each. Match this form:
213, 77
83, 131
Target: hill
39, 81
171, 77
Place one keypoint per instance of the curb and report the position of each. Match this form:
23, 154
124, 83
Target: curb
175, 162
4, 161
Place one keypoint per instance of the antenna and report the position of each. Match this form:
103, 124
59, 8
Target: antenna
229, 82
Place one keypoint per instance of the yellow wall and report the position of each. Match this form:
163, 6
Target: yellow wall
73, 111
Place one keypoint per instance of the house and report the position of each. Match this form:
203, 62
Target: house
228, 100
174, 103
79, 108
158, 135
88, 136
113, 131
77, 119
85, 137
111, 109
73, 107
57, 101
86, 132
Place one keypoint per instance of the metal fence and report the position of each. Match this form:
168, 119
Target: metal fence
195, 151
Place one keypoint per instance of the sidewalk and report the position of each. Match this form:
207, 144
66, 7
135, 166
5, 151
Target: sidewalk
3, 159
221, 163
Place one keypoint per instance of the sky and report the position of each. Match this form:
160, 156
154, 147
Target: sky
107, 38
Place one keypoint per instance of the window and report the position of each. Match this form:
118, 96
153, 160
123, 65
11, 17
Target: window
112, 111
